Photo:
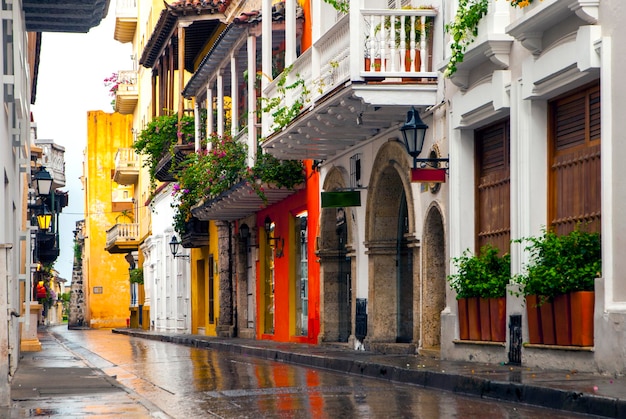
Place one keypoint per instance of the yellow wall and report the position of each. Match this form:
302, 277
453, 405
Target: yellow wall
105, 134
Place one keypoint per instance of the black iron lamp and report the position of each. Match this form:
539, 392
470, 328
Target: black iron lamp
276, 242
43, 182
174, 245
44, 219
413, 134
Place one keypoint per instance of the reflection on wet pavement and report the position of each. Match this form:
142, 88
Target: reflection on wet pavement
188, 382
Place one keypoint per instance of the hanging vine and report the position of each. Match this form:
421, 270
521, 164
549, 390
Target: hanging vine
464, 29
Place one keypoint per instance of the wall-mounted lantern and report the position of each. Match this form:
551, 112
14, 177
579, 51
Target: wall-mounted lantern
276, 242
174, 245
413, 134
43, 181
44, 219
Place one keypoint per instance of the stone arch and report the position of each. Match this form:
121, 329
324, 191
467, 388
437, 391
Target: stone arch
434, 277
337, 268
393, 251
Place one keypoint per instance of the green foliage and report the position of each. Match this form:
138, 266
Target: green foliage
160, 135
561, 264
136, 276
342, 6
485, 275
78, 252
463, 29
419, 29
207, 174
283, 114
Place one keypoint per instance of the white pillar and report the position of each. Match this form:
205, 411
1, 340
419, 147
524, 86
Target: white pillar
210, 123
266, 57
290, 32
196, 115
234, 95
220, 103
252, 102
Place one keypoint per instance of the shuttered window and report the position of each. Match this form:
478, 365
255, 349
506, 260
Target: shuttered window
493, 188
574, 194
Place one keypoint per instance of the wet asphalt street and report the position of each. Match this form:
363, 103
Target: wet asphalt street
162, 379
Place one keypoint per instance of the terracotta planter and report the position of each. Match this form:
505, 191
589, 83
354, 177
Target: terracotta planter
485, 319
534, 322
463, 319
582, 306
546, 311
562, 320
497, 312
473, 315
407, 60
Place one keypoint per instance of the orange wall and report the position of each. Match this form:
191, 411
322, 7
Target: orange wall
281, 213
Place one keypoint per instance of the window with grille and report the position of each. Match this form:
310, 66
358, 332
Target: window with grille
493, 186
574, 178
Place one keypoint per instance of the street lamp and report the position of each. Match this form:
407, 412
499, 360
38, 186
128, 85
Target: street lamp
43, 181
413, 134
276, 242
44, 219
174, 245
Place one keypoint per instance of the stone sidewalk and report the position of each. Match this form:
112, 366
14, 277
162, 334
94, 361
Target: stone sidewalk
563, 390
58, 382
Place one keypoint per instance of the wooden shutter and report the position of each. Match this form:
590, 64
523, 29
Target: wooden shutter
574, 194
493, 189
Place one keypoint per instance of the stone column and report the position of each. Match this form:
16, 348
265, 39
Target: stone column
225, 325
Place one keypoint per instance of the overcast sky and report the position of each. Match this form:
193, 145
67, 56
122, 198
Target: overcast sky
70, 83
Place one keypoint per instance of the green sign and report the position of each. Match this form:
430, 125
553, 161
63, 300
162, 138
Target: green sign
341, 199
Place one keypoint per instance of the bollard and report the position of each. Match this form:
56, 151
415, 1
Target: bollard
128, 323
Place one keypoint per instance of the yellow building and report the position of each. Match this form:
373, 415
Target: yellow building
111, 234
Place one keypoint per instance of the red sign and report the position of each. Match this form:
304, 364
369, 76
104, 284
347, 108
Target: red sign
428, 175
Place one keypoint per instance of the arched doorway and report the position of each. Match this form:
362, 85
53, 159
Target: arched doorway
392, 250
336, 268
434, 286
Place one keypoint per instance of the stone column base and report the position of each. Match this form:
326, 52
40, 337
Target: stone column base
30, 345
29, 341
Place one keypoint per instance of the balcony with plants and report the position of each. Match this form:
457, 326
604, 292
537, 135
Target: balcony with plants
123, 236
355, 81
217, 184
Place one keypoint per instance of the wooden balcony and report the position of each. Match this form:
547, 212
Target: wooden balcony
361, 79
126, 166
125, 20
122, 238
127, 94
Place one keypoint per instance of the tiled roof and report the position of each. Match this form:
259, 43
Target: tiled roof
224, 43
71, 16
198, 32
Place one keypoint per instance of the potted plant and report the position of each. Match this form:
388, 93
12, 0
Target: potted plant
560, 277
481, 280
403, 30
136, 276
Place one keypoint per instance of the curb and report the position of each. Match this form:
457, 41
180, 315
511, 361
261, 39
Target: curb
475, 386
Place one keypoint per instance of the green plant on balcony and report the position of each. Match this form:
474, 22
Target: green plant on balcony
283, 114
126, 215
159, 136
342, 6
207, 174
136, 276
463, 30
520, 3
269, 169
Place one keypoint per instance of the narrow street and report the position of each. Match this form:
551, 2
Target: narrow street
186, 382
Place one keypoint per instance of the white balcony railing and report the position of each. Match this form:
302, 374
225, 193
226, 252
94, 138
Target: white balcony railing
393, 45
122, 233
